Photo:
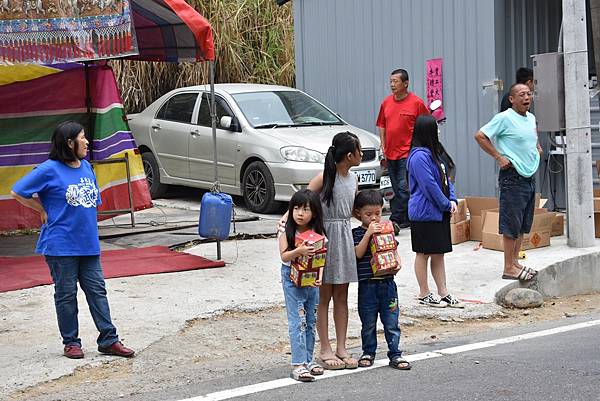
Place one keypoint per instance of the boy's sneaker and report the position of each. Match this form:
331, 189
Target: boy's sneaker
432, 300
452, 301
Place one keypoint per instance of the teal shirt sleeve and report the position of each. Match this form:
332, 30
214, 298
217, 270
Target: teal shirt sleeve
494, 128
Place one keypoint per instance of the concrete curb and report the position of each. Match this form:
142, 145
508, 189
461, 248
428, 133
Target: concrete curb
573, 276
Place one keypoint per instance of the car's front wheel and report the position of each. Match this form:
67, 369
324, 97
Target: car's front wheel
153, 175
258, 188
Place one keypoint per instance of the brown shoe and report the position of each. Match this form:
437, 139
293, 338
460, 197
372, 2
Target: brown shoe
73, 351
117, 349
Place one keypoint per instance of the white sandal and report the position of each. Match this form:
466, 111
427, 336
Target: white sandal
302, 374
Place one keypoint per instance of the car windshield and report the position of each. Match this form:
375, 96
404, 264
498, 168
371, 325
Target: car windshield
283, 109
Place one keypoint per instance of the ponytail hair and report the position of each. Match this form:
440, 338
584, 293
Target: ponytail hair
342, 144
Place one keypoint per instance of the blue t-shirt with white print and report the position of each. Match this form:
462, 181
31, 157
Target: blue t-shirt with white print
70, 197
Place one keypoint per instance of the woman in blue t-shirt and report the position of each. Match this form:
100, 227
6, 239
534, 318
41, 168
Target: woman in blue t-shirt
68, 195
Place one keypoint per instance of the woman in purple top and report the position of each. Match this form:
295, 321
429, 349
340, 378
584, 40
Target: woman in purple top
431, 202
68, 196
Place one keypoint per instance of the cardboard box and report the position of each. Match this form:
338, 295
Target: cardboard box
382, 242
558, 225
461, 213
386, 227
311, 262
384, 263
311, 238
305, 278
460, 232
305, 270
476, 206
538, 237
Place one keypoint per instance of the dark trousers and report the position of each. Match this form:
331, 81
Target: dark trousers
399, 179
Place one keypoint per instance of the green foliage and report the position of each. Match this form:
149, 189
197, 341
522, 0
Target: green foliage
254, 42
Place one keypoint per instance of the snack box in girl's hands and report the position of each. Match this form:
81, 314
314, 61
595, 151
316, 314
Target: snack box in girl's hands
305, 278
316, 261
312, 239
384, 263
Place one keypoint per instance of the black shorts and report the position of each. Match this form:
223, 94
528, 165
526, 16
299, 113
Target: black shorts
517, 203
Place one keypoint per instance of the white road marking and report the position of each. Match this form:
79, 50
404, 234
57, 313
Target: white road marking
273, 384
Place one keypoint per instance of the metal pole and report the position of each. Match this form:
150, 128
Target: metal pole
213, 121
213, 118
578, 129
129, 190
89, 129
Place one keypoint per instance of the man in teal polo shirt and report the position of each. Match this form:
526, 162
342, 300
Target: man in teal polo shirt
511, 139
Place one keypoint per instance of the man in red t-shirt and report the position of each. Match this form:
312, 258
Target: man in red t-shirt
396, 121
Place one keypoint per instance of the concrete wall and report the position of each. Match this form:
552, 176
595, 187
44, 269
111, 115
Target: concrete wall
577, 275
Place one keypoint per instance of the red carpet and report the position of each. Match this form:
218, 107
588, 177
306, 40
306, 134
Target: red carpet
30, 271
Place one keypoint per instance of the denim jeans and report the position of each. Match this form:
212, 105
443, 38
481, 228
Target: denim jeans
379, 297
517, 203
301, 306
65, 272
399, 179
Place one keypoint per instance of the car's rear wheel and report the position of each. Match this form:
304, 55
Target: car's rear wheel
258, 188
153, 175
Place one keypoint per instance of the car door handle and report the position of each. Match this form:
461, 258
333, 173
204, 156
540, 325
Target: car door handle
195, 133
156, 127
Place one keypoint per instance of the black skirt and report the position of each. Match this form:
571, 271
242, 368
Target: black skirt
431, 237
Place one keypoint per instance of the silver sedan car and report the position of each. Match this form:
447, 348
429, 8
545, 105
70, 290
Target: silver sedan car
271, 141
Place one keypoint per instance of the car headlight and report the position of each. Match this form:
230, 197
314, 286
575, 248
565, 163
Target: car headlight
300, 154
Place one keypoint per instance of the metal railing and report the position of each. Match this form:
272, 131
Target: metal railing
131, 209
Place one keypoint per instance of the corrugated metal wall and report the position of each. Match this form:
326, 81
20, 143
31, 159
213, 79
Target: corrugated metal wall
532, 27
345, 50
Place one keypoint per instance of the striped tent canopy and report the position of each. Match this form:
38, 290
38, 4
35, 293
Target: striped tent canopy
57, 31
42, 91
30, 111
171, 30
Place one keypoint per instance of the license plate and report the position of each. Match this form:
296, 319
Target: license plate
385, 182
365, 177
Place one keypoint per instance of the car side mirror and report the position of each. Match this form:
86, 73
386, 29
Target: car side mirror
226, 122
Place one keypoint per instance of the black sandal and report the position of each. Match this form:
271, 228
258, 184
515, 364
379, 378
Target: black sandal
400, 363
366, 361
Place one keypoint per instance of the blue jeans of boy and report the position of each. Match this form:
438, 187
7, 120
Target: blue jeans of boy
65, 272
379, 297
399, 179
301, 306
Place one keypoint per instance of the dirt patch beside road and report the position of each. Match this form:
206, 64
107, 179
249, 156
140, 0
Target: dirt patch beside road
238, 342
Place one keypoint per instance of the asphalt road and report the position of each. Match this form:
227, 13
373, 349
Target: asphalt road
555, 366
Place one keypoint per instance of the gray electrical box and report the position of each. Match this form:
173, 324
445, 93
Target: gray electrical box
549, 100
